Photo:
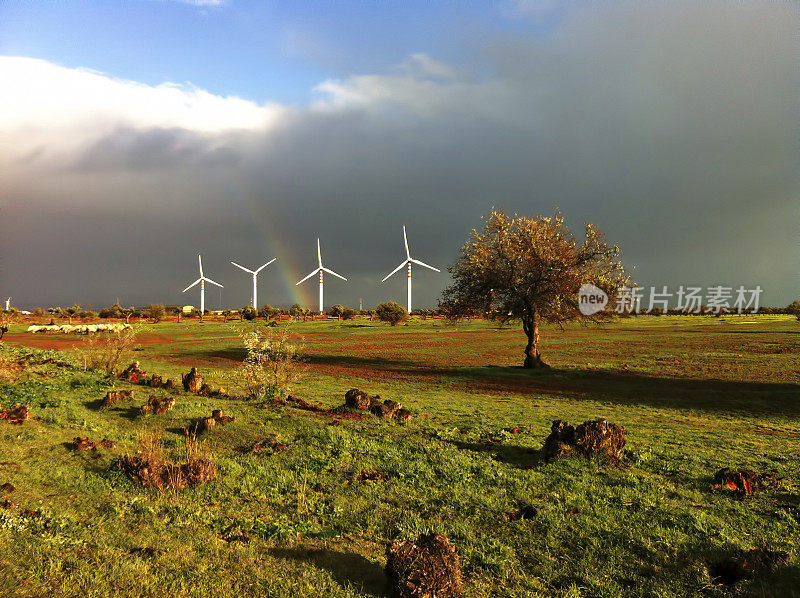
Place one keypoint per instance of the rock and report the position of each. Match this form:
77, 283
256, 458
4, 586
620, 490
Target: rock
82, 443
402, 415
205, 390
597, 437
356, 399
115, 396
170, 385
193, 381
381, 410
156, 381
157, 405
427, 568
17, 415
8, 488
133, 373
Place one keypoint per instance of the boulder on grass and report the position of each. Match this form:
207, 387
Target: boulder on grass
386, 409
156, 381
356, 399
591, 438
133, 373
426, 568
403, 415
193, 381
157, 405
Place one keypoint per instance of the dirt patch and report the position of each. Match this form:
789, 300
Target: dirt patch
8, 488
157, 405
17, 415
589, 439
426, 568
82, 443
269, 445
743, 482
372, 475
747, 564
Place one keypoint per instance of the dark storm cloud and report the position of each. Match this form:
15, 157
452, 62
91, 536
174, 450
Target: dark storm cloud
673, 127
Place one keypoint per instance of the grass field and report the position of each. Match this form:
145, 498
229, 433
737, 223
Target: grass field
695, 394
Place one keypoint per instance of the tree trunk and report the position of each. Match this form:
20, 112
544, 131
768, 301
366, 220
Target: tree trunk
533, 358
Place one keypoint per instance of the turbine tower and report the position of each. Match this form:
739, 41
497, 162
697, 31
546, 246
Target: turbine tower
408, 261
255, 275
320, 269
8, 304
202, 280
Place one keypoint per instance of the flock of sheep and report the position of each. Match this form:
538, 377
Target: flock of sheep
81, 328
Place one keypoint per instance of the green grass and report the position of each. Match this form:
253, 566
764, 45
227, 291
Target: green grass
694, 394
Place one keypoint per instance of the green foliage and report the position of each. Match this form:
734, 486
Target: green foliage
248, 312
348, 313
336, 311
391, 312
156, 312
266, 311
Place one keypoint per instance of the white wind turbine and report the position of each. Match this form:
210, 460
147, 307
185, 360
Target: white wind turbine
320, 269
255, 275
408, 261
202, 280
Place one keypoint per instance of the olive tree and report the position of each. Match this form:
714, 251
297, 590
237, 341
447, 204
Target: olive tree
530, 269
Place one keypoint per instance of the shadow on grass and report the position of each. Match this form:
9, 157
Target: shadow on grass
521, 457
347, 568
615, 386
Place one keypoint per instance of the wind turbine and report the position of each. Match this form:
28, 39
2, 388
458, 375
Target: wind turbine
255, 274
320, 269
408, 261
8, 304
202, 280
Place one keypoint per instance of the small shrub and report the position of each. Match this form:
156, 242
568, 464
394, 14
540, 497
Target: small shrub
266, 311
248, 312
107, 350
348, 313
336, 311
391, 312
273, 363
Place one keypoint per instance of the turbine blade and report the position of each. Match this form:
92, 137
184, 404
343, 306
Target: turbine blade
319, 254
265, 265
191, 285
307, 277
396, 270
200, 261
405, 241
334, 273
426, 265
212, 282
242, 267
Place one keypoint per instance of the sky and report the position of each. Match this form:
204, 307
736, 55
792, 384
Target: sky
135, 135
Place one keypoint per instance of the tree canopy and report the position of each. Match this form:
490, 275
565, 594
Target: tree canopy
530, 269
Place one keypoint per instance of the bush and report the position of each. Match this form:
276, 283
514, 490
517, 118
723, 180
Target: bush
105, 351
348, 314
391, 312
112, 311
266, 311
248, 312
156, 312
336, 311
273, 364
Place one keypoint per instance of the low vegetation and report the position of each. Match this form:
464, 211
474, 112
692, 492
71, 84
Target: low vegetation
306, 497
